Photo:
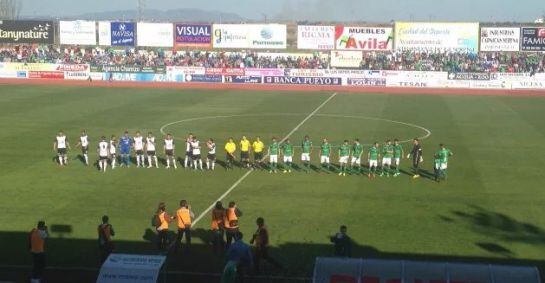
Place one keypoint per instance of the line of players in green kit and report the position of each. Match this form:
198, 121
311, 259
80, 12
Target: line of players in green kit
349, 157
382, 160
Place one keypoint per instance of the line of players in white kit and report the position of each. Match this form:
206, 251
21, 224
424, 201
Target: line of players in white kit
143, 147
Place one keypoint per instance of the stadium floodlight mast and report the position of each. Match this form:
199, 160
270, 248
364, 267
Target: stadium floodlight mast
140, 7
10, 9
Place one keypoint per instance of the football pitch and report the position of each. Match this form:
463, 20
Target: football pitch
490, 210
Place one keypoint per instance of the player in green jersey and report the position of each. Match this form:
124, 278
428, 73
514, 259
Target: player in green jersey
306, 147
325, 152
344, 153
287, 152
444, 154
436, 164
398, 155
357, 151
274, 149
387, 154
372, 158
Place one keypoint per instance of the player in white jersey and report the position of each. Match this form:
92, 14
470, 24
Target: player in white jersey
138, 145
61, 145
168, 148
196, 153
84, 144
211, 157
103, 154
113, 151
150, 151
188, 150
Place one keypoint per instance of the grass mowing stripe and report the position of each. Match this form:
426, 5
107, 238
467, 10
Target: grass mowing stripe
252, 170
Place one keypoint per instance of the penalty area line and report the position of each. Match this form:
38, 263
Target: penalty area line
243, 177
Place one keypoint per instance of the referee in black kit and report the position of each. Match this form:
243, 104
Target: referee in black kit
416, 154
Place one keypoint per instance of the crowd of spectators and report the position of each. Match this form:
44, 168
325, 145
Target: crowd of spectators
393, 60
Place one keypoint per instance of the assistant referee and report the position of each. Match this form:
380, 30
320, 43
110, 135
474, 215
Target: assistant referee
257, 148
230, 148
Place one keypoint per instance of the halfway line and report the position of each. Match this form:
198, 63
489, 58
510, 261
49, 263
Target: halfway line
252, 170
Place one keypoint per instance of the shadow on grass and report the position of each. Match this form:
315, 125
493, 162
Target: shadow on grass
200, 264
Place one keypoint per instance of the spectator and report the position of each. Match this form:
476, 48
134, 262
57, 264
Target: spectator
105, 234
37, 239
260, 240
240, 254
342, 243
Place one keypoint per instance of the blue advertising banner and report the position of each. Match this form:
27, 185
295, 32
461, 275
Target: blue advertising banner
244, 79
303, 80
199, 35
134, 77
122, 34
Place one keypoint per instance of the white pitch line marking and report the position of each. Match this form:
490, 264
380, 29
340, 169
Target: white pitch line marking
427, 131
204, 213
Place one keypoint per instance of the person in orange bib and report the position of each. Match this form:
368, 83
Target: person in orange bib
217, 227
184, 215
162, 220
105, 234
230, 221
37, 239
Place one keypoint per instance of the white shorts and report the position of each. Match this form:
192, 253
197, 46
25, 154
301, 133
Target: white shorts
443, 166
396, 161
386, 161
288, 158
343, 159
356, 160
324, 159
305, 156
373, 163
273, 159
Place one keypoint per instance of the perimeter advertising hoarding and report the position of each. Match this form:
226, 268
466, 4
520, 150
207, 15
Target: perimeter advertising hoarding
77, 32
193, 35
40, 32
533, 39
316, 37
500, 39
254, 36
363, 38
437, 37
155, 34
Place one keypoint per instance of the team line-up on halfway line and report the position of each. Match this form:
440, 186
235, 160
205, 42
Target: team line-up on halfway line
349, 154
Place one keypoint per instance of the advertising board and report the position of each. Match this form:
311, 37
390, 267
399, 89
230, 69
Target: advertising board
533, 39
196, 35
316, 37
363, 38
40, 32
302, 80
437, 37
77, 32
255, 36
155, 34
500, 39
346, 59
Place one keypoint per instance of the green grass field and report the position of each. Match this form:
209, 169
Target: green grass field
490, 210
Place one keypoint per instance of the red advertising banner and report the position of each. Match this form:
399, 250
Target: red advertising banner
45, 75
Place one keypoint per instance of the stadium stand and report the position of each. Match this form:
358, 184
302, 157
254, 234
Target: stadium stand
511, 62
